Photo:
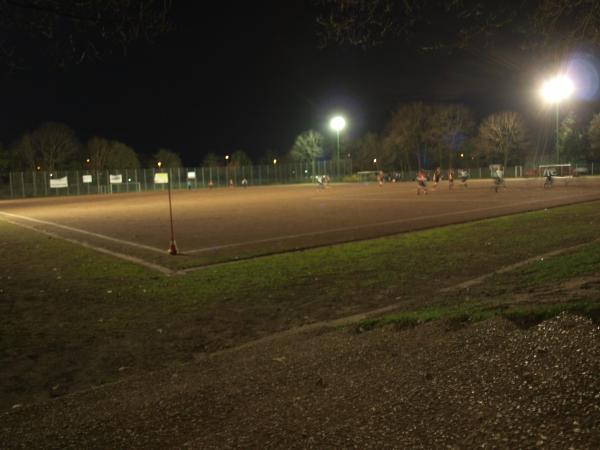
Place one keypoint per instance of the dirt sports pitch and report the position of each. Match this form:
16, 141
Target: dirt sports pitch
219, 225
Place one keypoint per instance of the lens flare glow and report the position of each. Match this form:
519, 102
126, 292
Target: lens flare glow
557, 89
337, 123
583, 70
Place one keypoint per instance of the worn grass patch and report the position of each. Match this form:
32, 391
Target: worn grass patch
71, 318
524, 317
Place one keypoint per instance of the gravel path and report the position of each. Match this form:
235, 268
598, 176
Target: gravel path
488, 385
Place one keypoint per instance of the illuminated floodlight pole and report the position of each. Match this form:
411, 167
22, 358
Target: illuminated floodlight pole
338, 123
555, 91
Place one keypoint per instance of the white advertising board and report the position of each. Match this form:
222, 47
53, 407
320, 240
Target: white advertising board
86, 178
59, 182
191, 175
161, 178
116, 179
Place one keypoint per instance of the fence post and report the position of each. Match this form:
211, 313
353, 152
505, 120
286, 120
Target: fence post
592, 167
34, 184
23, 183
10, 184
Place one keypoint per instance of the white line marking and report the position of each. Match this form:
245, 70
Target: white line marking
512, 267
89, 233
372, 225
133, 259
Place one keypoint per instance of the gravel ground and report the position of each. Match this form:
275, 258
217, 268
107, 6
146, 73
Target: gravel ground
488, 385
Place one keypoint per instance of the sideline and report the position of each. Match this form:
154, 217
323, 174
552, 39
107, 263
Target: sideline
133, 259
475, 281
78, 230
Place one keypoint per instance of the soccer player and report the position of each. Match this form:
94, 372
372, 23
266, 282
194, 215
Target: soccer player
464, 176
421, 182
549, 179
437, 176
499, 179
450, 179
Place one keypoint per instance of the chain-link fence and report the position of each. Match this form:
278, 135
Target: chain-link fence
84, 182
476, 173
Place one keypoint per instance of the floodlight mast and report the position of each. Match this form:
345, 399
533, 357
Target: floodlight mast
338, 123
554, 91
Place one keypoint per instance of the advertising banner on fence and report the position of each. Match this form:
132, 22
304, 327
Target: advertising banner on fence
116, 179
86, 178
161, 178
191, 175
59, 182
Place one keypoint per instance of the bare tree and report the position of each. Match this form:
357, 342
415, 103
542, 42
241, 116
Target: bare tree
410, 136
594, 138
442, 24
307, 147
503, 135
67, 32
168, 158
239, 158
366, 150
454, 125
25, 154
98, 150
105, 154
52, 146
4, 159
121, 156
211, 160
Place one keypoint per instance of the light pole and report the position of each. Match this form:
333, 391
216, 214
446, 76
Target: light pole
338, 123
554, 91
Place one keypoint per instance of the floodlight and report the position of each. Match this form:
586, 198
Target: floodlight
338, 123
557, 89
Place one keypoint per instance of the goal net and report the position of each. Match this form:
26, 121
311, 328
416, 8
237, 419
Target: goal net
555, 170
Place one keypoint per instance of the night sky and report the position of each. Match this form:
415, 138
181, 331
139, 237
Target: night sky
250, 76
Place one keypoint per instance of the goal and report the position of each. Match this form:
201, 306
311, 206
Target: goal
556, 170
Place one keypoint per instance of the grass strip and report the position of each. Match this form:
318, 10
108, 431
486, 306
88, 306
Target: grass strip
523, 316
71, 317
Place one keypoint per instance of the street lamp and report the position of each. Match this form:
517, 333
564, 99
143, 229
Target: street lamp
338, 123
159, 164
555, 91
274, 161
226, 157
